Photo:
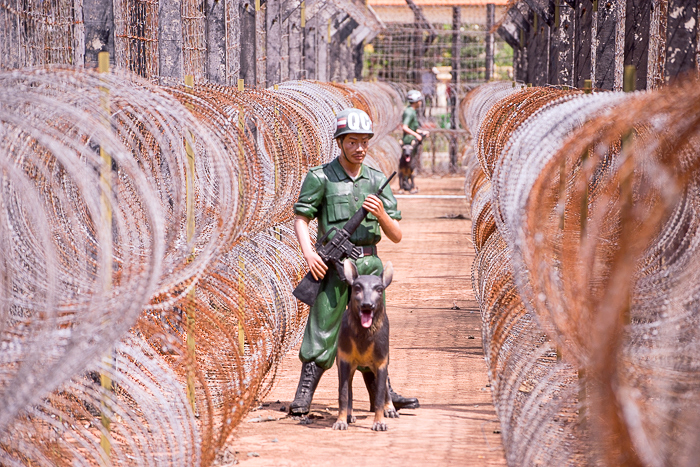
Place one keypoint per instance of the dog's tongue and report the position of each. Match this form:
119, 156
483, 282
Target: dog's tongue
366, 319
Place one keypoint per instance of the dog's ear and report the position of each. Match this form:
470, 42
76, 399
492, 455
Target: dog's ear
350, 271
388, 274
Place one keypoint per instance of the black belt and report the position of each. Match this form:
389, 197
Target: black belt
361, 251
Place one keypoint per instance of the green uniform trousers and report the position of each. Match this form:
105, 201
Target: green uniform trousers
320, 343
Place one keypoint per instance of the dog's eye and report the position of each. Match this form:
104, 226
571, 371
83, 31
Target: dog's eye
379, 289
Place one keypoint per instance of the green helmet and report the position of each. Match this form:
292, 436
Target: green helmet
353, 121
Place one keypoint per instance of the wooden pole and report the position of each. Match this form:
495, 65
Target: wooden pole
627, 169
587, 89
241, 305
106, 188
582, 392
241, 262
432, 149
630, 79
190, 307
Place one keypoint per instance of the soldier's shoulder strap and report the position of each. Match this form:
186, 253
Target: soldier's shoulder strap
319, 172
377, 177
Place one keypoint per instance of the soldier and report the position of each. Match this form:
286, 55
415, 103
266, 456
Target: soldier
412, 137
332, 193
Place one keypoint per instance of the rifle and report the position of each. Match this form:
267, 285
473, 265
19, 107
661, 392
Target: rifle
334, 251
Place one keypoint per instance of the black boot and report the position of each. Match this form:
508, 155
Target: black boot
310, 376
399, 401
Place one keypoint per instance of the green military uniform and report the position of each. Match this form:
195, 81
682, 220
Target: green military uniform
330, 195
410, 119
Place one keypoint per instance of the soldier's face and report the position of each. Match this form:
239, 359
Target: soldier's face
355, 146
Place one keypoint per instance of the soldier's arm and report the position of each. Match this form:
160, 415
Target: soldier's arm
390, 227
301, 230
416, 135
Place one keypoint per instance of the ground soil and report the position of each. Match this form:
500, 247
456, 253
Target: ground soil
436, 355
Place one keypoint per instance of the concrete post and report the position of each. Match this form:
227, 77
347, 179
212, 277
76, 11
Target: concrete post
247, 41
565, 50
682, 41
637, 23
656, 63
520, 56
358, 55
260, 32
284, 47
170, 59
310, 46
273, 45
538, 51
335, 46
605, 51
583, 18
296, 45
215, 16
98, 16
233, 41
322, 37
78, 34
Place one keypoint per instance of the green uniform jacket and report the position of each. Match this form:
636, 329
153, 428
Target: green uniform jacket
330, 195
410, 119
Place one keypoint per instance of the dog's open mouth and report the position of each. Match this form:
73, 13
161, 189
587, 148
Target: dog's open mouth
366, 318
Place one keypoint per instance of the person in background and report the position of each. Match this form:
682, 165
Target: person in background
428, 81
412, 137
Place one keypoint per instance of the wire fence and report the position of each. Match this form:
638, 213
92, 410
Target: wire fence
585, 222
149, 257
136, 36
37, 32
403, 53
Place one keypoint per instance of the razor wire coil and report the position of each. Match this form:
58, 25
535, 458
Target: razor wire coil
585, 225
112, 267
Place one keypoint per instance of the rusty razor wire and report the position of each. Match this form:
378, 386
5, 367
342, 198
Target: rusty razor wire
148, 256
585, 221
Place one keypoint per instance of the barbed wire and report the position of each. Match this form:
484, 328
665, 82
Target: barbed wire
150, 256
585, 225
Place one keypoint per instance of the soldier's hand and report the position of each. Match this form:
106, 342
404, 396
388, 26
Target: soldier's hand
316, 265
375, 206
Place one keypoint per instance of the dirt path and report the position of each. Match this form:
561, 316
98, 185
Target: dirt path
436, 355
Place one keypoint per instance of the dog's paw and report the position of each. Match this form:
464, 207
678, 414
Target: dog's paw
352, 419
340, 425
391, 413
379, 426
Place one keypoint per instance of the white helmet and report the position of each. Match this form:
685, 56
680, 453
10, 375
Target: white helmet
414, 96
353, 120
